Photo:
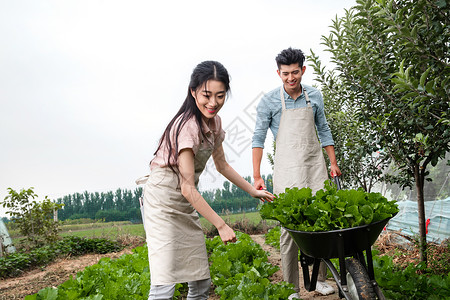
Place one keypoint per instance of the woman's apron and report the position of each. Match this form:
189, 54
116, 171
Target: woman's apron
175, 239
298, 163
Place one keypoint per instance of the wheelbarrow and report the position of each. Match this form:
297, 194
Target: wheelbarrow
356, 279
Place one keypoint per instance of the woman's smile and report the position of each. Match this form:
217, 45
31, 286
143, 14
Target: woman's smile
210, 98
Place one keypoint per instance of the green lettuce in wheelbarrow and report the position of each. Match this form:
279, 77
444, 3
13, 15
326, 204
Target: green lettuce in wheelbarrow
329, 209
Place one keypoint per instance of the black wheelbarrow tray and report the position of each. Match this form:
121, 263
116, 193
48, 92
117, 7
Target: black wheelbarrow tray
356, 279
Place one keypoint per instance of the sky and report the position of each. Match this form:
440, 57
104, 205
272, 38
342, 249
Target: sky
87, 87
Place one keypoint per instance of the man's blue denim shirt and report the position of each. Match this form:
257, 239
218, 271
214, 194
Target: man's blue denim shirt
268, 115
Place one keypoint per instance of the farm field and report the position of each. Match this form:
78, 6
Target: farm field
132, 235
112, 230
62, 270
58, 272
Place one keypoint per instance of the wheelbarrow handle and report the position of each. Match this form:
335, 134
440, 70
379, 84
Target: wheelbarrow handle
337, 182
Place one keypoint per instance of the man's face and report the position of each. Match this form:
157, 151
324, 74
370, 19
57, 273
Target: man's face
291, 75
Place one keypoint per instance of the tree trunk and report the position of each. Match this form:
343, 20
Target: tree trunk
419, 178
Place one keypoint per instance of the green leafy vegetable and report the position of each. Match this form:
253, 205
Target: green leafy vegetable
241, 270
329, 209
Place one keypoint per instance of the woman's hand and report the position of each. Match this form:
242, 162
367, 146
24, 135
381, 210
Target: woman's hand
263, 194
226, 234
226, 170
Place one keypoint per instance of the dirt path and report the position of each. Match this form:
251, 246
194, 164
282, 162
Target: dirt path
52, 275
275, 259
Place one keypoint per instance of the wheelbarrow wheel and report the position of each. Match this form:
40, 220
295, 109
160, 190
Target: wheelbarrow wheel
358, 281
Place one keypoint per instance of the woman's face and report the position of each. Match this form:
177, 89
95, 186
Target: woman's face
210, 98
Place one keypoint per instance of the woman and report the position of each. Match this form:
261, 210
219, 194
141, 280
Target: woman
177, 251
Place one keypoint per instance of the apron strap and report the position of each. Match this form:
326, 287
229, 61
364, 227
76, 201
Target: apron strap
306, 96
283, 104
142, 180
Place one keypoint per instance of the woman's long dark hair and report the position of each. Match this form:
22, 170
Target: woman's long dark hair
207, 70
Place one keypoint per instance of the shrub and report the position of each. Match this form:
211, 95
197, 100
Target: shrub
15, 263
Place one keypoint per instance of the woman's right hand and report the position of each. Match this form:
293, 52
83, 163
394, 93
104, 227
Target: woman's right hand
263, 195
226, 234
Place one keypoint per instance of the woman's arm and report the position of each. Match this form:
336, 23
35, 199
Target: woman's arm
226, 170
190, 192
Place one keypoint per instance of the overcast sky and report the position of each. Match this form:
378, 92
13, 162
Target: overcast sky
87, 87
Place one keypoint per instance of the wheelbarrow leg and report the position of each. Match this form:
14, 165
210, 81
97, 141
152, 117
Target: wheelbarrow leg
342, 269
360, 256
309, 281
370, 270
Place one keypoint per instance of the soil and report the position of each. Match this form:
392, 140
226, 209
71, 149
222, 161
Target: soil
53, 274
61, 270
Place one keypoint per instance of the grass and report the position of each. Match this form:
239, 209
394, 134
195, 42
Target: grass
14, 233
113, 230
110, 232
96, 225
252, 218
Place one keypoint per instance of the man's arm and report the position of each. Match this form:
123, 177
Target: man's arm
324, 133
334, 169
257, 154
263, 121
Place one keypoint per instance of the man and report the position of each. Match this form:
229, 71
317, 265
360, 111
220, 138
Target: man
294, 112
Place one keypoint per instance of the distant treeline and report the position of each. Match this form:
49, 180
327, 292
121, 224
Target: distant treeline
232, 199
123, 204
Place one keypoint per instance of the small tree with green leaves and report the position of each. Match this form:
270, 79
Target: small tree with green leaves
362, 161
33, 218
392, 57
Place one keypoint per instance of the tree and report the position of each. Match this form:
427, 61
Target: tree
128, 200
226, 191
393, 59
362, 162
67, 211
33, 218
118, 200
108, 202
77, 202
437, 189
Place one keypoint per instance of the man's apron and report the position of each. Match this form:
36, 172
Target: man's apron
299, 159
298, 163
175, 239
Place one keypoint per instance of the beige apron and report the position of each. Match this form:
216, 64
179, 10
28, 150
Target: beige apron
298, 163
299, 159
175, 239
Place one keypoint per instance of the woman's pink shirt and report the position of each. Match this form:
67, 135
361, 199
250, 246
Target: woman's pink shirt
190, 137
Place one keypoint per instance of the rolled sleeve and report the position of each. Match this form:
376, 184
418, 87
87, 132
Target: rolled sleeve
263, 119
188, 138
323, 130
219, 139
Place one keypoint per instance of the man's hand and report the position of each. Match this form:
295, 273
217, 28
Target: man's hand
335, 171
259, 183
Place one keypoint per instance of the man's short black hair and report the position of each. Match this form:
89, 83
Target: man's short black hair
290, 56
